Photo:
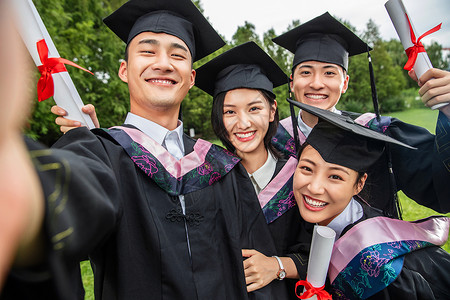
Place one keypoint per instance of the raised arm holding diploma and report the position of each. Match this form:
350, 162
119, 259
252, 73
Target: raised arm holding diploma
417, 57
55, 80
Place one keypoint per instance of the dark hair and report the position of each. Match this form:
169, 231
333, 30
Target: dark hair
359, 177
221, 131
126, 53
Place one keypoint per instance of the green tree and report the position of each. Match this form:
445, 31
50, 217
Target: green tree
284, 60
399, 58
395, 49
389, 79
372, 34
79, 34
115, 4
197, 105
196, 110
245, 34
293, 24
279, 55
434, 51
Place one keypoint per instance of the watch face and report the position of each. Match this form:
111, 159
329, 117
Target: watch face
281, 274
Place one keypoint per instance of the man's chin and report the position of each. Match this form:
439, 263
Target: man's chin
166, 102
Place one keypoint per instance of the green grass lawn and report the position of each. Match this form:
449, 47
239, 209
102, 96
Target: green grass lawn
421, 117
88, 280
411, 210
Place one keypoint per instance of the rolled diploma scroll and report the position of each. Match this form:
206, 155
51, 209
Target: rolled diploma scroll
32, 30
320, 255
397, 13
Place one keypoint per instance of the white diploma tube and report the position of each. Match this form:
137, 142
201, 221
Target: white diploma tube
320, 255
32, 30
397, 12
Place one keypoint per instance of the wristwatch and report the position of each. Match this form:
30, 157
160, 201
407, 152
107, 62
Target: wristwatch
281, 274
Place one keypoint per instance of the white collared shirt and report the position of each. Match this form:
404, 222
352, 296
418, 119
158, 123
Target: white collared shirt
352, 213
158, 134
155, 131
305, 129
261, 177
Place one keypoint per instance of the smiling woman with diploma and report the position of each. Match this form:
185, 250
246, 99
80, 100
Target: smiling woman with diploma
374, 256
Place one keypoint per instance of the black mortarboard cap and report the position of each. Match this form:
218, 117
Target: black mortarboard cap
244, 66
340, 140
180, 18
323, 39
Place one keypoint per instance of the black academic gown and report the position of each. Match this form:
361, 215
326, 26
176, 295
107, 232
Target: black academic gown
74, 194
286, 228
289, 232
146, 254
422, 174
425, 273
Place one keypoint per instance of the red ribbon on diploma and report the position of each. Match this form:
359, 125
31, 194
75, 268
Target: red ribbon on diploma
418, 46
311, 291
52, 65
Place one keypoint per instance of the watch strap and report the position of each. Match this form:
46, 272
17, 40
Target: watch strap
280, 263
281, 272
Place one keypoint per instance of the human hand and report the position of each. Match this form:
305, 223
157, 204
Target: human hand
435, 91
259, 269
68, 124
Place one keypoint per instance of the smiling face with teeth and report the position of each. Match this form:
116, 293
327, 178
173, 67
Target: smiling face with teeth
159, 75
323, 190
319, 84
246, 117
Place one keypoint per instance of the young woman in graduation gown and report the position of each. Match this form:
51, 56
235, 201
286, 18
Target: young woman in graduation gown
244, 116
374, 257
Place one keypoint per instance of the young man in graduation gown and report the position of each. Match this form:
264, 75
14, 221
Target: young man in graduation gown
319, 77
186, 208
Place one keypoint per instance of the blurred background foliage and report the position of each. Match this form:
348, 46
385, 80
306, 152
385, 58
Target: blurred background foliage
79, 34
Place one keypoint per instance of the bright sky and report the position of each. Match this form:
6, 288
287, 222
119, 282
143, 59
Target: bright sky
227, 15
